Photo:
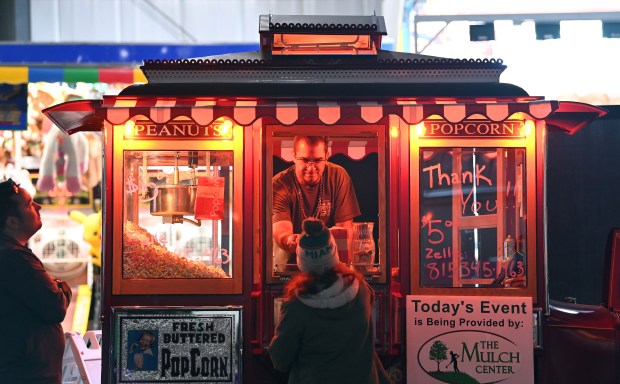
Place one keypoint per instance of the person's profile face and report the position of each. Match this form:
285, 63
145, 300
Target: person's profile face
309, 162
29, 218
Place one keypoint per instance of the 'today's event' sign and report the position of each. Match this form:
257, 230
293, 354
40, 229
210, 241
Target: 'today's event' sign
469, 339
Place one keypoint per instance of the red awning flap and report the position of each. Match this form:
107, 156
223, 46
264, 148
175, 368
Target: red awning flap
572, 116
76, 116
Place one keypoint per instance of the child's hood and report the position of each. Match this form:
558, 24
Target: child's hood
337, 295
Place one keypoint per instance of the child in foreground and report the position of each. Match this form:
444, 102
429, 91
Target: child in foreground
325, 333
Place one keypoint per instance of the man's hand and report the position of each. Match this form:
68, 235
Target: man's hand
292, 241
64, 287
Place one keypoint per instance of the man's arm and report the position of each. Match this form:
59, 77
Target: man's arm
282, 212
29, 282
283, 235
345, 201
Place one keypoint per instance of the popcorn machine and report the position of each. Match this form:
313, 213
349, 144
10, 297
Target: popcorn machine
447, 164
198, 193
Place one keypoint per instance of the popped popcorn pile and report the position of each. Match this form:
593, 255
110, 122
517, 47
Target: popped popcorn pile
145, 258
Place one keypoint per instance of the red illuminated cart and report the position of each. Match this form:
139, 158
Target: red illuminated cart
447, 162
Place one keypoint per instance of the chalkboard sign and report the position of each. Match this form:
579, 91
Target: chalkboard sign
472, 202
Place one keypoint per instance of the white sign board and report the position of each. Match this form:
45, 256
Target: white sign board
469, 339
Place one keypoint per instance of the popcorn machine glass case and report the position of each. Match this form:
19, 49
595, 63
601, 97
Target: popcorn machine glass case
178, 233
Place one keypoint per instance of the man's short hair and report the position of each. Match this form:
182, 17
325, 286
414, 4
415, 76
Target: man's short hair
8, 189
312, 140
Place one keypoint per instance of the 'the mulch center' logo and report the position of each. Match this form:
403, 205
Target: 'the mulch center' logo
469, 356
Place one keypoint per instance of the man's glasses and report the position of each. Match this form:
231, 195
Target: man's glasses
306, 161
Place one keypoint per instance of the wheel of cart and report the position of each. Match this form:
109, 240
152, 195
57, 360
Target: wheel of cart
82, 358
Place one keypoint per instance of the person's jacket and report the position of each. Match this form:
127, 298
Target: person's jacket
33, 306
328, 337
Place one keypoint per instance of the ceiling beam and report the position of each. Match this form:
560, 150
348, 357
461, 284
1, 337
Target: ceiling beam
520, 17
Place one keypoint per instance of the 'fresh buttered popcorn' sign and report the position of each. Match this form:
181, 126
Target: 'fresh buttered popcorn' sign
177, 345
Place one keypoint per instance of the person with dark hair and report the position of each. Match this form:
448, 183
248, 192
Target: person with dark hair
141, 353
33, 303
311, 188
325, 333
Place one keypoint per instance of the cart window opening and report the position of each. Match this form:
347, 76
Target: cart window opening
178, 214
473, 217
348, 179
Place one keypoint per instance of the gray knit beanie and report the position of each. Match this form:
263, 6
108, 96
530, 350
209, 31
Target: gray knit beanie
316, 251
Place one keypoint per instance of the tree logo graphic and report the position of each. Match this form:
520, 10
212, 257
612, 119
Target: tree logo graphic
437, 353
469, 357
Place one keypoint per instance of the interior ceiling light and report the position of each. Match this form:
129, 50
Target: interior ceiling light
611, 29
546, 31
481, 32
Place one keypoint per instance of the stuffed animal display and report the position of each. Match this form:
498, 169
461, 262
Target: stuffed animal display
64, 159
92, 232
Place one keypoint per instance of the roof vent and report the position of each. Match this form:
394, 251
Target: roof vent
321, 35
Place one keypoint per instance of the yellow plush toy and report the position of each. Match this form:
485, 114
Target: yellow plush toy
92, 232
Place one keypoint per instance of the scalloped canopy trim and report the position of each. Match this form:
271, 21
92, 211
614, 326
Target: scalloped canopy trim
80, 115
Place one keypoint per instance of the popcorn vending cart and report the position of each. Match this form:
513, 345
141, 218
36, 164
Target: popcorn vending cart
448, 165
